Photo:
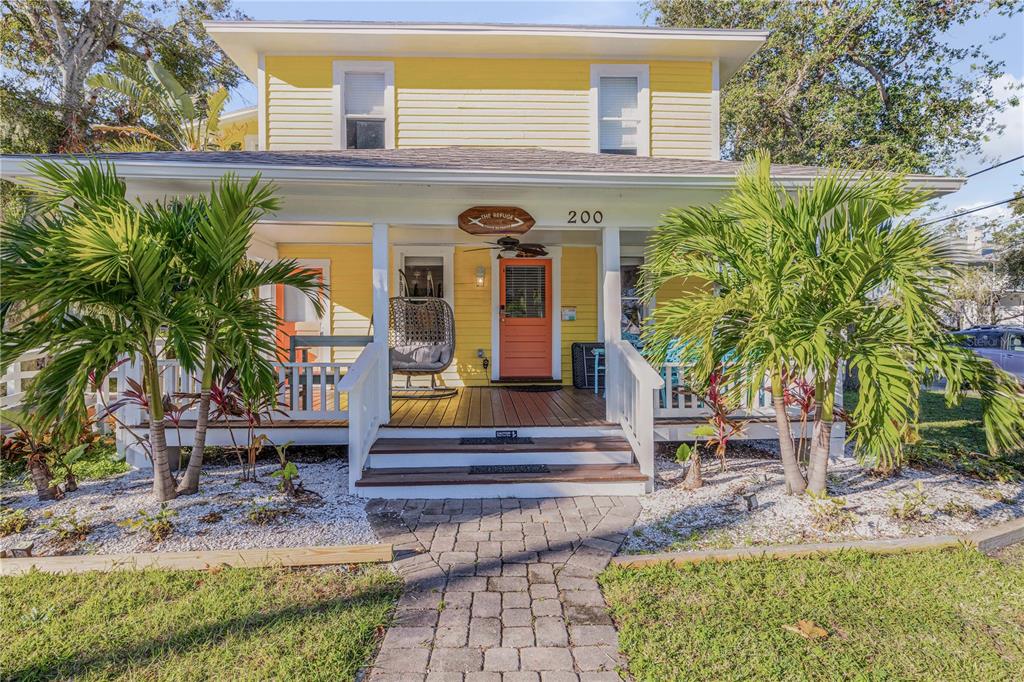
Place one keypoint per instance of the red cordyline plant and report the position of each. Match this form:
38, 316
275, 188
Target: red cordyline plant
721, 407
800, 392
230, 402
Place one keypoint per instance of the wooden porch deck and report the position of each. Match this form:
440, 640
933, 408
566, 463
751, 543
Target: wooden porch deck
501, 407
487, 407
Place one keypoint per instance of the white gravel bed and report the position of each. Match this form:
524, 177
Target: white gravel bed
216, 518
716, 515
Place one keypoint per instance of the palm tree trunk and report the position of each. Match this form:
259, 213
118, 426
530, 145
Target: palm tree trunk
822, 438
42, 480
189, 484
819, 390
694, 479
795, 482
163, 481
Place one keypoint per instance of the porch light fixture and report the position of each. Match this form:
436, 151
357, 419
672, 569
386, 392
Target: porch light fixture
481, 274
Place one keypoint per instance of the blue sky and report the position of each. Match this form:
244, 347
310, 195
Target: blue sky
987, 188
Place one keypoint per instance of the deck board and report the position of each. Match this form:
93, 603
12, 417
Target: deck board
476, 406
501, 407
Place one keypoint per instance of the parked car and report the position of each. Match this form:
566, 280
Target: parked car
1004, 346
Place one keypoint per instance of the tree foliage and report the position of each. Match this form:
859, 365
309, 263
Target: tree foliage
52, 46
871, 83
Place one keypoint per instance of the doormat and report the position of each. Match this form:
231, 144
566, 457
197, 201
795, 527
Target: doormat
495, 441
532, 389
509, 469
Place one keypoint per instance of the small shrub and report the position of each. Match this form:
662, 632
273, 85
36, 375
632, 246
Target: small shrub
211, 517
266, 514
683, 453
996, 495
830, 513
12, 521
158, 525
68, 527
960, 510
912, 505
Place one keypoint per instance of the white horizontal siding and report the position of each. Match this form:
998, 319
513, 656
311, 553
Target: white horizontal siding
556, 119
299, 118
681, 124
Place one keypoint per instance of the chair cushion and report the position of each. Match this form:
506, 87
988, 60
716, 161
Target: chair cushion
417, 357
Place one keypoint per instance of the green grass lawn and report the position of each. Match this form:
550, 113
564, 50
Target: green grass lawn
190, 625
954, 438
949, 615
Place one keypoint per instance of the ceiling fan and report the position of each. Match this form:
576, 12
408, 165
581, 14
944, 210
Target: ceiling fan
510, 247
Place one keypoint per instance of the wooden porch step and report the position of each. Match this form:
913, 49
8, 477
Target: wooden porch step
433, 446
461, 476
418, 453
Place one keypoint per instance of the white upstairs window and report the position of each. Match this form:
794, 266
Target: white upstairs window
365, 104
620, 100
364, 111
619, 115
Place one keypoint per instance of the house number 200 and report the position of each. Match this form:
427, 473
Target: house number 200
586, 217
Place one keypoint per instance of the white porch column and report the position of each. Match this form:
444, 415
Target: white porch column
611, 282
381, 314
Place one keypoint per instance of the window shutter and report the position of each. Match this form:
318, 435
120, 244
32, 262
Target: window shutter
619, 112
364, 94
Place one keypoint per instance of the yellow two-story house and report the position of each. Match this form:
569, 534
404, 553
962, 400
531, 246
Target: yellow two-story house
476, 199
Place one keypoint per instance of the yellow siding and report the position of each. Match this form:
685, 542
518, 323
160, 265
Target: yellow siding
674, 288
579, 288
472, 315
232, 135
351, 292
518, 102
681, 122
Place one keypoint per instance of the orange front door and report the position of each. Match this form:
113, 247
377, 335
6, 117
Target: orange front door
525, 318
295, 317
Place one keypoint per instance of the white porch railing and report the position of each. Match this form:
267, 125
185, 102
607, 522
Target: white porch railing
675, 399
17, 377
358, 392
367, 386
632, 393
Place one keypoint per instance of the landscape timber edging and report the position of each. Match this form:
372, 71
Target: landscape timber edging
986, 540
290, 557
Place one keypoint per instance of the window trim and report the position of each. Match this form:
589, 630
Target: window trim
642, 73
341, 121
446, 253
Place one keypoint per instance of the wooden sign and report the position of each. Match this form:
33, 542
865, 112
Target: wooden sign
495, 220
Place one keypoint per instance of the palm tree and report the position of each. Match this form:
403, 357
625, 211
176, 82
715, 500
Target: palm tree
223, 283
95, 277
101, 278
801, 285
160, 115
732, 322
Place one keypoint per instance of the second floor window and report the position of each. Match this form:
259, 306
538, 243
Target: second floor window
365, 115
618, 115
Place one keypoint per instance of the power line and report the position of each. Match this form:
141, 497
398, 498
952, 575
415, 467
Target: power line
1002, 163
968, 212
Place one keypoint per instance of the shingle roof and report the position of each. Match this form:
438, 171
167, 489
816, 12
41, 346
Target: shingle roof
526, 159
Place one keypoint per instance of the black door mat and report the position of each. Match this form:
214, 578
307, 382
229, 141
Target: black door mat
509, 469
495, 441
532, 389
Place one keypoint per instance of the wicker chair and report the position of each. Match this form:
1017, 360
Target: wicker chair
421, 339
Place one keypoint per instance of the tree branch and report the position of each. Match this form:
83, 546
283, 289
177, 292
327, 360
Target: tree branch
876, 75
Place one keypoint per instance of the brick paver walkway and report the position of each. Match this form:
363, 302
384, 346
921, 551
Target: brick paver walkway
501, 590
